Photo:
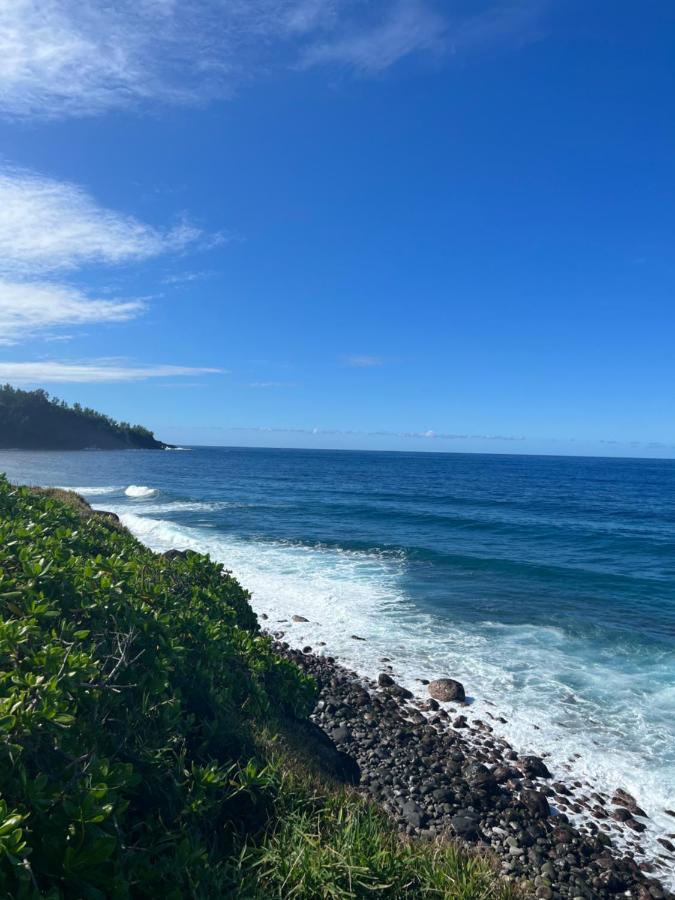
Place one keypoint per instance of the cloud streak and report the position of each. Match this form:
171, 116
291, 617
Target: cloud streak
419, 435
92, 372
363, 361
48, 225
28, 309
62, 58
405, 28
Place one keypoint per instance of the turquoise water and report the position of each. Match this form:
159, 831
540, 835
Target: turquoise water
546, 584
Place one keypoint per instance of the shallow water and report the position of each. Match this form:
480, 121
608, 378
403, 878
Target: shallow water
547, 585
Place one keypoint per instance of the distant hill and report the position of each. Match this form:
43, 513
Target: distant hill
32, 420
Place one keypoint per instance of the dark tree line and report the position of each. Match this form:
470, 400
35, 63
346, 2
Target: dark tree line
32, 420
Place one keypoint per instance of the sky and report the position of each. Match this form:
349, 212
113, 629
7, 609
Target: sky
395, 224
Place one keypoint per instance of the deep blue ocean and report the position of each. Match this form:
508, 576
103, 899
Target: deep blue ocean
545, 584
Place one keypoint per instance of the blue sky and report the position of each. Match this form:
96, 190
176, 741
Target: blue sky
402, 224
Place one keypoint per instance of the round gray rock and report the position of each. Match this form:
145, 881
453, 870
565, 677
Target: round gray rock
447, 690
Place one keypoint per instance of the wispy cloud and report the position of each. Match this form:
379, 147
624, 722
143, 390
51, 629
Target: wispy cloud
47, 225
36, 308
418, 435
62, 58
363, 361
404, 28
266, 385
92, 372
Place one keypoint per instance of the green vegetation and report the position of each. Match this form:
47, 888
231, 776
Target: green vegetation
150, 737
32, 420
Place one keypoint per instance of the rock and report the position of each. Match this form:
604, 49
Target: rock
460, 722
480, 777
395, 690
537, 804
385, 680
355, 637
621, 814
299, 619
116, 518
264, 616
612, 882
334, 762
534, 767
447, 690
465, 825
175, 554
623, 798
502, 773
341, 735
413, 814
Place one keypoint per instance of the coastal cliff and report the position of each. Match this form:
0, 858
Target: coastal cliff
32, 420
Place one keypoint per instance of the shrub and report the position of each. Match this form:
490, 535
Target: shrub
128, 684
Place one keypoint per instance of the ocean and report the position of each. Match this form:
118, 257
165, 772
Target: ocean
545, 584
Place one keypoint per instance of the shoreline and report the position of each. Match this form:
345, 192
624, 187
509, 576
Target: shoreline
583, 801
436, 773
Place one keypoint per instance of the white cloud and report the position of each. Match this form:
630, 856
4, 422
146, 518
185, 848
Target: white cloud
363, 361
31, 308
409, 27
92, 372
47, 225
62, 57
415, 435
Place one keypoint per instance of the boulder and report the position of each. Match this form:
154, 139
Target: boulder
385, 680
447, 690
413, 814
299, 619
534, 767
341, 735
173, 554
465, 825
537, 804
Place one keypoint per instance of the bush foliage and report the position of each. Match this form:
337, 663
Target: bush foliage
128, 683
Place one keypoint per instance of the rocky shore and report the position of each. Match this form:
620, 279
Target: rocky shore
438, 774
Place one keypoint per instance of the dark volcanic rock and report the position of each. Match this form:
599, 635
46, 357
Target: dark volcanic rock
447, 690
534, 767
465, 825
435, 780
174, 554
299, 619
537, 804
385, 680
341, 735
413, 814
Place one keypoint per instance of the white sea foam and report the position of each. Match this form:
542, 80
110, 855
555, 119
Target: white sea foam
139, 491
92, 491
600, 727
176, 506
